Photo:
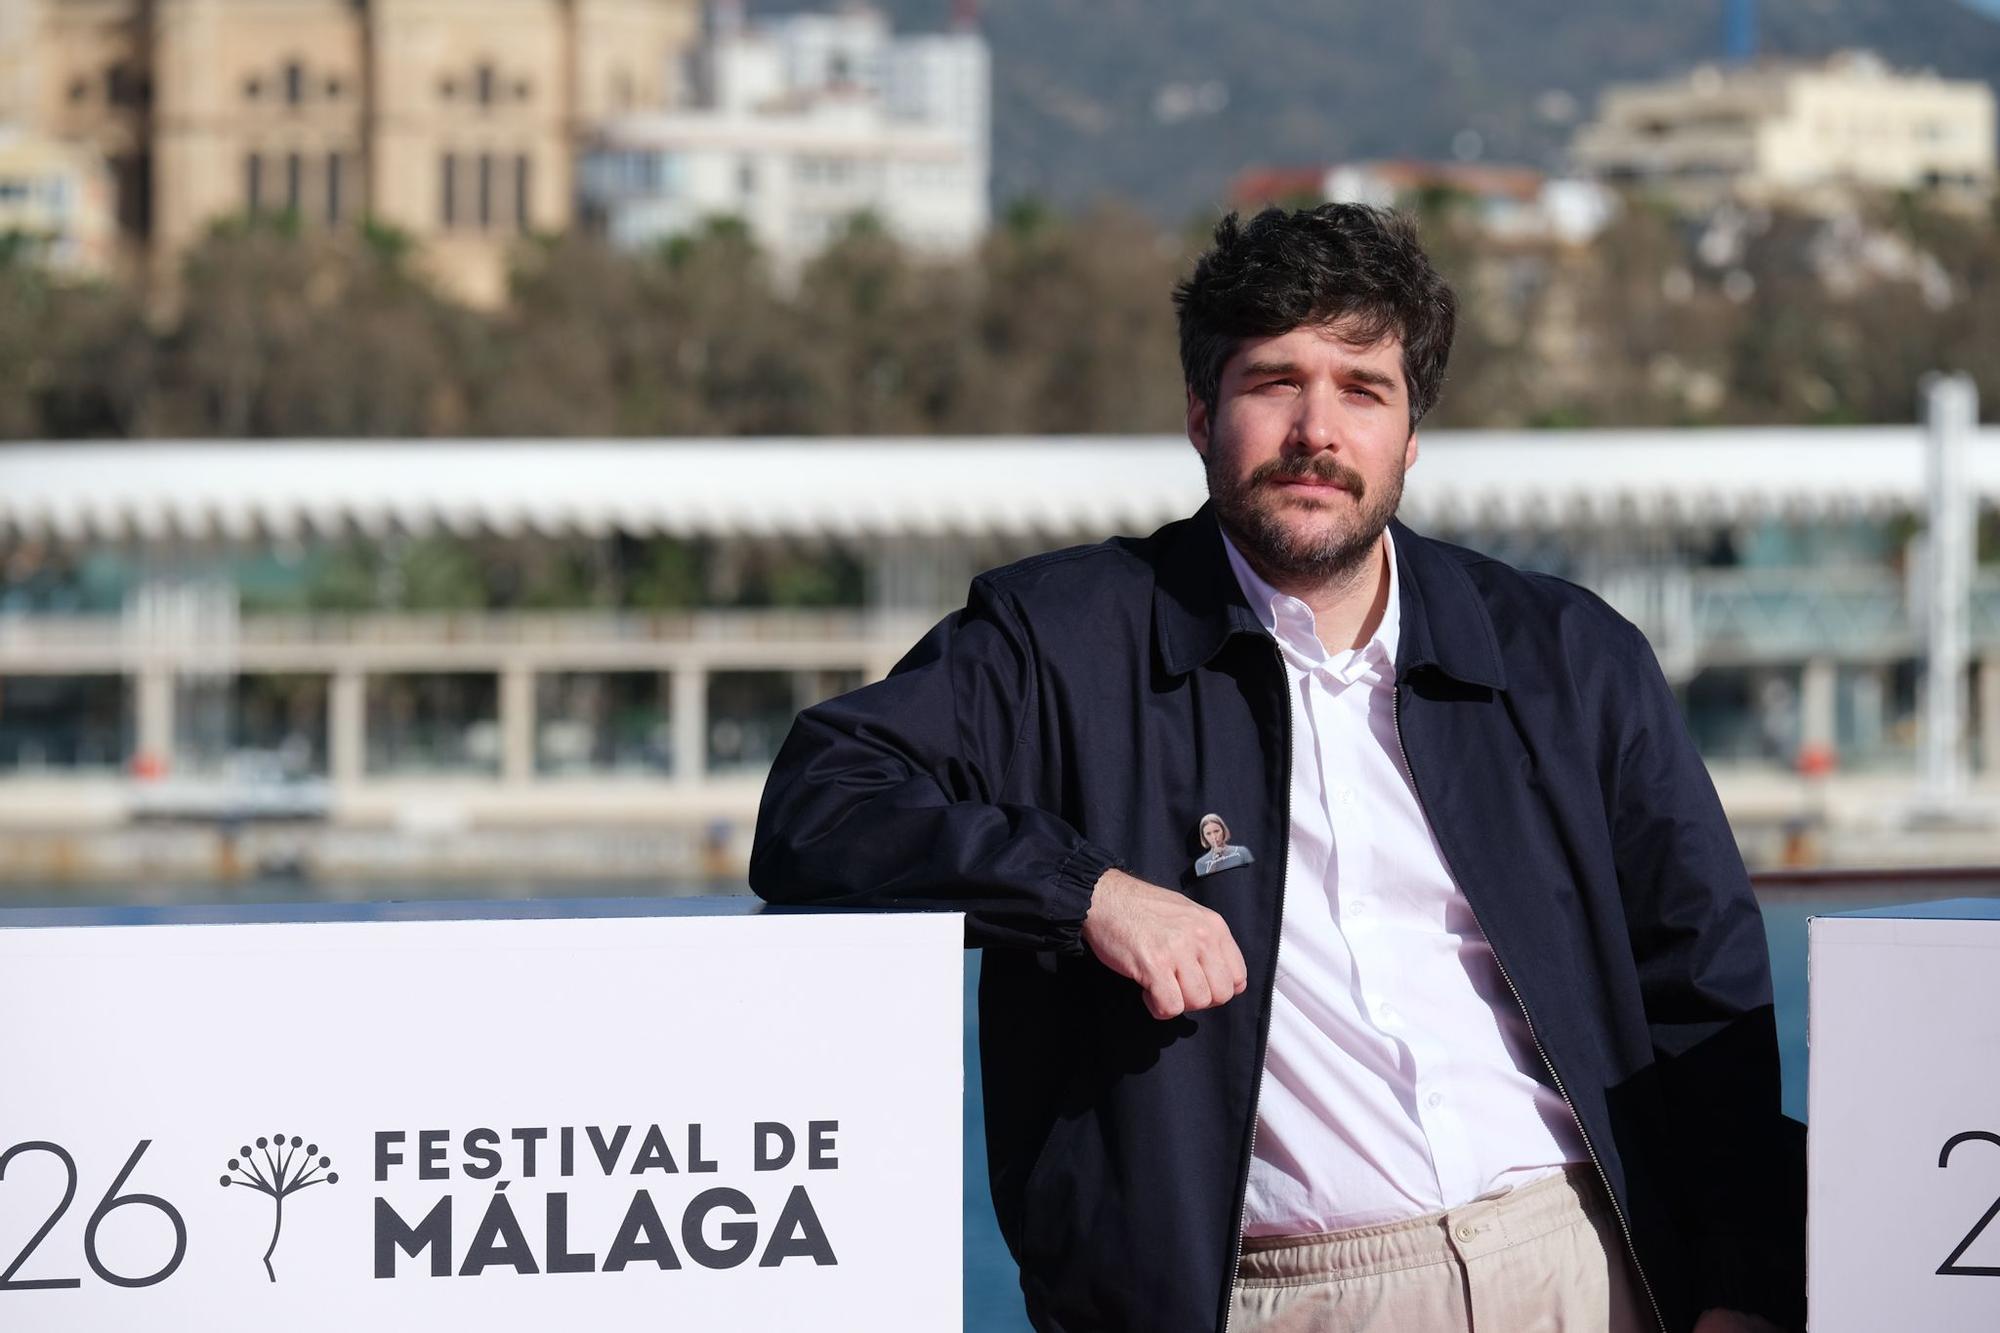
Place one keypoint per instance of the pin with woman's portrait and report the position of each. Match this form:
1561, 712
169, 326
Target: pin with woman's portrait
1221, 853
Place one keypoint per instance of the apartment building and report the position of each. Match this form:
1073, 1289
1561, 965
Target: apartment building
801, 123
1809, 134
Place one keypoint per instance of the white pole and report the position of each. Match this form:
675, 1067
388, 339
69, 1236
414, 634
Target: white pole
1951, 414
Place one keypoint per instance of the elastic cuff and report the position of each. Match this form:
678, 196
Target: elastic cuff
1075, 879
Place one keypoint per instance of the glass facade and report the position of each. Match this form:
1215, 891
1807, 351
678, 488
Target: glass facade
271, 726
749, 712
437, 722
603, 722
65, 723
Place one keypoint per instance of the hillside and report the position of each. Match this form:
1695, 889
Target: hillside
1162, 102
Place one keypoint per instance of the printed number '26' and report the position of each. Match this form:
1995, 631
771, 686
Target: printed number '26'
110, 1203
1951, 1267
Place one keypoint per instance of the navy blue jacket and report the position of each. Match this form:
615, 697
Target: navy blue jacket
1089, 705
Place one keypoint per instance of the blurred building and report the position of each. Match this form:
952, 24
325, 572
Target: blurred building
1806, 134
455, 121
1508, 203
17, 66
56, 201
800, 125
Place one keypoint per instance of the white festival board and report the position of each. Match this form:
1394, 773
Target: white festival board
731, 1122
1904, 1121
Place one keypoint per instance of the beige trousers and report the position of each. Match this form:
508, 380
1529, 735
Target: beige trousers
1545, 1258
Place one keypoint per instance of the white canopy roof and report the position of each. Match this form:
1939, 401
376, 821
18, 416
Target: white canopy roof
904, 487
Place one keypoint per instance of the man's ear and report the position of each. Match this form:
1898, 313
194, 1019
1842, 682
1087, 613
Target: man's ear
1197, 423
1410, 452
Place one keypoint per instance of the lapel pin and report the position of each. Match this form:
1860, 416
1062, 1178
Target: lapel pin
1221, 854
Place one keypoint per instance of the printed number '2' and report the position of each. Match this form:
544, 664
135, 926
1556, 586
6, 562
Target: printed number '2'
7, 1280
1951, 1267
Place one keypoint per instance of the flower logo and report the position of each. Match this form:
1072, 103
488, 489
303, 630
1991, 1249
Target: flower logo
285, 1170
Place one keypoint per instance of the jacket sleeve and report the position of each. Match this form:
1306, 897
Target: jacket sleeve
1705, 976
892, 796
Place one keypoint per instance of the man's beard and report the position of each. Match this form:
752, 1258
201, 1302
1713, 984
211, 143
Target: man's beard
1335, 547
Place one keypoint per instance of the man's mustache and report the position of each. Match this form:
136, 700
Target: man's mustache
1314, 467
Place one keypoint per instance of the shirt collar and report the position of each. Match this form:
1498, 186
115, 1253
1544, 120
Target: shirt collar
1290, 621
1198, 607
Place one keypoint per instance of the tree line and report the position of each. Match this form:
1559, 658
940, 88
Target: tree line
1056, 324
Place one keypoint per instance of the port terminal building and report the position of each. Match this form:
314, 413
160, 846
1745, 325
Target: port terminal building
150, 680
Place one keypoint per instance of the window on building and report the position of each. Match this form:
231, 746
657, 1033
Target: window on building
523, 90
448, 190
253, 88
485, 85
433, 722
253, 183
65, 722
522, 169
333, 90
749, 712
79, 89
274, 725
485, 201
295, 83
447, 88
334, 167
663, 173
746, 177
595, 722
132, 177
295, 182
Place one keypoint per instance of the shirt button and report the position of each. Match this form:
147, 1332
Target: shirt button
1434, 1101
1466, 1231
1346, 795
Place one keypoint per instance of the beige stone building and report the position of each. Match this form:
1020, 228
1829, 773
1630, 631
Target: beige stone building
455, 121
1808, 134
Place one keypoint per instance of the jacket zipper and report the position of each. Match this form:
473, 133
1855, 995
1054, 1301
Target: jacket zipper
1270, 992
1396, 719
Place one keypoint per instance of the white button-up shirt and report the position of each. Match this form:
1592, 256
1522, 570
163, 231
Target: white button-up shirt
1396, 1078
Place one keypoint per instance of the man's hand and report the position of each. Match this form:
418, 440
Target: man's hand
1181, 953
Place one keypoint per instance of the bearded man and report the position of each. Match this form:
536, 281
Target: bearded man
1478, 1034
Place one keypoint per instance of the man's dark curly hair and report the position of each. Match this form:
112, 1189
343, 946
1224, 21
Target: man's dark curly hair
1349, 264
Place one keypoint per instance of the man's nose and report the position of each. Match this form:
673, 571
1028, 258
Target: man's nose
1317, 423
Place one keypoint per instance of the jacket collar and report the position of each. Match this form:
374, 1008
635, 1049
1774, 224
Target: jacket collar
1198, 606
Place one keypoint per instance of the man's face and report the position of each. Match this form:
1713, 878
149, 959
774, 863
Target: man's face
1306, 448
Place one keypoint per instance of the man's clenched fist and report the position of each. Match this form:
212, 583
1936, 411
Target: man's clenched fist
1181, 953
